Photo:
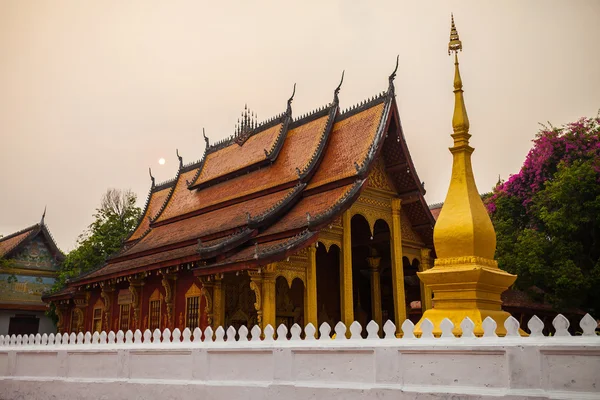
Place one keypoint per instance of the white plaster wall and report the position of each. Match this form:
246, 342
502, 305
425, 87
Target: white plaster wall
482, 368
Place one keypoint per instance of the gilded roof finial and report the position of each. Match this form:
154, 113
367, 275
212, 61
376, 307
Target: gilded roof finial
43, 216
336, 99
151, 177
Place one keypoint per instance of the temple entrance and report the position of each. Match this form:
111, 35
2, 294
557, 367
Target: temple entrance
289, 305
239, 301
371, 272
328, 285
412, 286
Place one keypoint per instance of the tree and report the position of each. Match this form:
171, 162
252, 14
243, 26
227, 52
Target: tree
547, 217
116, 218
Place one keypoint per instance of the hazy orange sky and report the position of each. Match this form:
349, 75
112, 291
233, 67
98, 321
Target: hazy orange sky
94, 93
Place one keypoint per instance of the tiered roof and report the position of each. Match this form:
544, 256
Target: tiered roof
265, 192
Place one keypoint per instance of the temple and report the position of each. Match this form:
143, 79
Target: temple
29, 261
318, 218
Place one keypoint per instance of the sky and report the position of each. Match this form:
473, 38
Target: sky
94, 93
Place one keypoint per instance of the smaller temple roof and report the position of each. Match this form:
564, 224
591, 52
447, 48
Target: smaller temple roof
11, 244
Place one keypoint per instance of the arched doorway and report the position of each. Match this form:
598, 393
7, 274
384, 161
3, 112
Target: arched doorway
289, 304
328, 284
412, 286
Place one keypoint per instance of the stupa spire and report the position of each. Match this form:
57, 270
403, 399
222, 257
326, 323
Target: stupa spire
464, 227
465, 279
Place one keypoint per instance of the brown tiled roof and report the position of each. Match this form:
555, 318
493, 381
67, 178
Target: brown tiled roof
10, 242
158, 260
205, 225
176, 200
298, 148
314, 205
155, 201
235, 157
349, 143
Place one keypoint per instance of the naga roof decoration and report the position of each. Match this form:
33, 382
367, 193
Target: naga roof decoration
269, 189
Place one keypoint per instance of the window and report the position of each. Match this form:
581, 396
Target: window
75, 320
124, 318
154, 322
192, 307
97, 324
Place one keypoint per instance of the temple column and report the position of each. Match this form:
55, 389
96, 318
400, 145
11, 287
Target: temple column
397, 267
346, 294
256, 284
135, 288
426, 294
310, 299
269, 301
218, 317
374, 263
168, 283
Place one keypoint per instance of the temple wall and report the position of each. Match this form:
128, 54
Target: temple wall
514, 367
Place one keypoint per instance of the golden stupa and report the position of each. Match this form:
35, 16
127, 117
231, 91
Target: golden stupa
465, 279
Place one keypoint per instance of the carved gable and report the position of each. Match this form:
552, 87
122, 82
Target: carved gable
378, 178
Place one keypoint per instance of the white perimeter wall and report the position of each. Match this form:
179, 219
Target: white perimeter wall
535, 367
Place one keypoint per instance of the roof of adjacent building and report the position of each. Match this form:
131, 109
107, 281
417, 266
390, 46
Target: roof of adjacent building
266, 191
13, 243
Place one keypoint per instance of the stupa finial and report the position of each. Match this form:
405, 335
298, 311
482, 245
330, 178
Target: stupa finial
455, 44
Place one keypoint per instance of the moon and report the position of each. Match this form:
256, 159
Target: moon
161, 161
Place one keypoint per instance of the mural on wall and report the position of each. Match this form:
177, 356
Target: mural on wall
23, 288
36, 254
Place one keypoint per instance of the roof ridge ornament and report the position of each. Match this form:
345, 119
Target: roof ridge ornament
393, 75
180, 158
205, 138
43, 216
151, 177
288, 111
336, 99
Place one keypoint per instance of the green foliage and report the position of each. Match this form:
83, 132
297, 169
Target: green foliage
116, 218
547, 218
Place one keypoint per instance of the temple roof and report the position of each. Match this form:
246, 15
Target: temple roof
269, 189
11, 244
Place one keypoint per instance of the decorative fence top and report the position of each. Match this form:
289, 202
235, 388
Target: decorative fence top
587, 324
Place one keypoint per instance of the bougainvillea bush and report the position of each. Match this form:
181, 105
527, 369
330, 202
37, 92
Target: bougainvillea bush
547, 217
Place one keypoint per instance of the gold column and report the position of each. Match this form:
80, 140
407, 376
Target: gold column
346, 296
397, 267
269, 296
256, 286
374, 263
310, 305
426, 293
218, 317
